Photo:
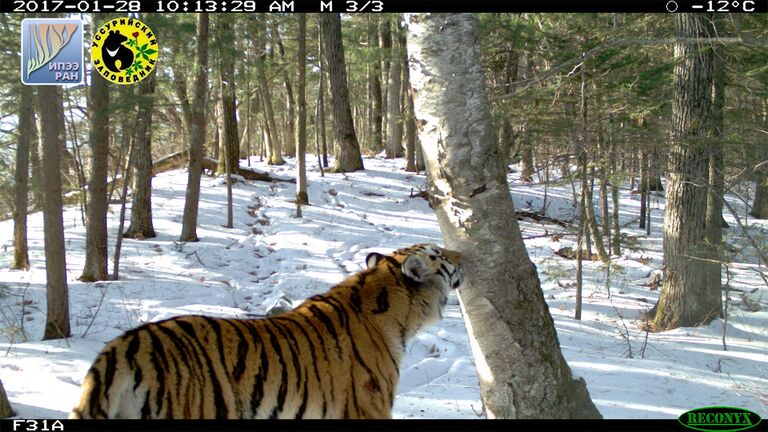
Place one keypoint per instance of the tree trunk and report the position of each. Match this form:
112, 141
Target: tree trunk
196, 132
290, 133
394, 146
141, 204
57, 318
301, 143
321, 103
385, 41
374, 86
760, 205
691, 292
21, 177
716, 157
348, 156
587, 187
522, 371
5, 405
227, 90
615, 181
227, 110
95, 268
275, 151
36, 182
410, 117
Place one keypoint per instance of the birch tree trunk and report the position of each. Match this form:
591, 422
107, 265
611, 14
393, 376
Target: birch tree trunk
522, 372
691, 293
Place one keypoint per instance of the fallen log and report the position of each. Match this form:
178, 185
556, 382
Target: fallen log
180, 160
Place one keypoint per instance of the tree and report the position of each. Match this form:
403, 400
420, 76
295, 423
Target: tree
57, 318
522, 372
691, 292
5, 405
290, 125
21, 190
374, 84
229, 141
760, 205
410, 118
302, 198
141, 207
95, 267
228, 120
348, 157
394, 146
195, 117
275, 148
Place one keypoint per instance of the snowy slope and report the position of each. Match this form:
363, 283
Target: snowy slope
271, 256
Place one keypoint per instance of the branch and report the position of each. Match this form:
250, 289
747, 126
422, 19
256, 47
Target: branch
576, 61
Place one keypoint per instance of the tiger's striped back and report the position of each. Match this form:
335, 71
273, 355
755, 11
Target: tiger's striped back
337, 355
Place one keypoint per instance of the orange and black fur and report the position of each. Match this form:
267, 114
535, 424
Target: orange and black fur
337, 355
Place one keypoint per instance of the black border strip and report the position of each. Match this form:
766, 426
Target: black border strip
119, 7
346, 425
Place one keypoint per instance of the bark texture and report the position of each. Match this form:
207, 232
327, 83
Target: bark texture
274, 149
195, 115
5, 405
21, 177
301, 141
96, 251
522, 371
141, 204
57, 317
691, 292
394, 147
347, 152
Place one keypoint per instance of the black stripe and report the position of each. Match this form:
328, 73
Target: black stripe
184, 360
257, 392
130, 355
301, 380
382, 301
281, 394
326, 320
355, 301
159, 359
218, 397
109, 374
95, 410
315, 364
345, 319
243, 347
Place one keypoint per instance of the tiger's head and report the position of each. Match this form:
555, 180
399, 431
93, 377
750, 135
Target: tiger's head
426, 274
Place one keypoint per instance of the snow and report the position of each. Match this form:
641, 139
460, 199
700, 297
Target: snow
270, 256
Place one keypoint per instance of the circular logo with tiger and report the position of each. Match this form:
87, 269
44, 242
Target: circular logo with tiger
124, 51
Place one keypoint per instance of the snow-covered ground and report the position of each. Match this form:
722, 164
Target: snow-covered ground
270, 256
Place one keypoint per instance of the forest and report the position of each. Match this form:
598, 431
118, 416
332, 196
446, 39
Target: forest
603, 176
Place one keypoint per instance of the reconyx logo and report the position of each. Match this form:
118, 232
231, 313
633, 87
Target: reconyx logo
51, 51
719, 419
124, 51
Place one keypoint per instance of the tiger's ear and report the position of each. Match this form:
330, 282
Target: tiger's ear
415, 268
372, 259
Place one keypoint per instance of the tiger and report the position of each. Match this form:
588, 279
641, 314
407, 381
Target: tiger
336, 356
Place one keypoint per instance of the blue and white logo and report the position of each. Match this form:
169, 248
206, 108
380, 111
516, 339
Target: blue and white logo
51, 51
